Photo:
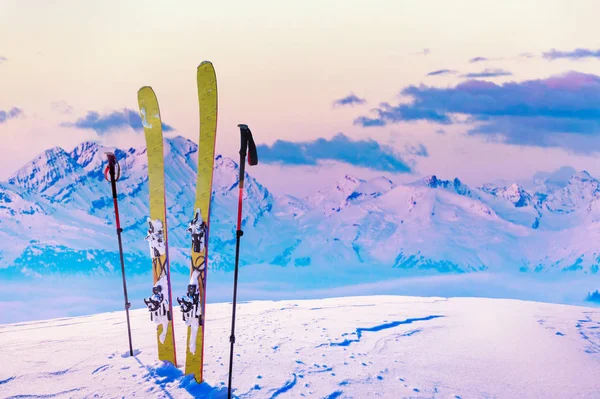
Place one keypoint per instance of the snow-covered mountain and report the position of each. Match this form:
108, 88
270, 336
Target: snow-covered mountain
57, 217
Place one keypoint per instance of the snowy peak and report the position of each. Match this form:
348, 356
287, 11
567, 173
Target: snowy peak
551, 182
48, 169
85, 153
581, 190
334, 198
347, 191
349, 180
455, 185
225, 185
225, 174
514, 193
347, 185
371, 188
340, 190
583, 177
182, 146
226, 163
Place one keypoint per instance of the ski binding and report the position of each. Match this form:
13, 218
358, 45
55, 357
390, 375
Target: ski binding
190, 306
157, 303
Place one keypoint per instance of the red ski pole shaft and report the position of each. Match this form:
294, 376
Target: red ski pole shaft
112, 161
247, 144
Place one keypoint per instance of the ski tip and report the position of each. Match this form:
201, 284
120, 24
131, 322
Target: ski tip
243, 126
206, 65
145, 88
144, 94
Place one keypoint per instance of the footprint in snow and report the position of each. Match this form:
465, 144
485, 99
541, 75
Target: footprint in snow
127, 354
9, 379
101, 369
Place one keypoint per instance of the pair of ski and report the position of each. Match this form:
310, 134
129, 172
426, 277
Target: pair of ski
192, 304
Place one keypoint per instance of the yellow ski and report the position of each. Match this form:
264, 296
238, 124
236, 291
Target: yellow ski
159, 304
194, 302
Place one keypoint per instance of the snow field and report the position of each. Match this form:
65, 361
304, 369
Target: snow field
352, 347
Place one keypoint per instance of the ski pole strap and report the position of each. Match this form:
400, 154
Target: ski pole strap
113, 168
247, 144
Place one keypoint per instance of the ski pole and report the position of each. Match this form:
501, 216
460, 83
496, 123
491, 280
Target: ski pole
247, 144
114, 176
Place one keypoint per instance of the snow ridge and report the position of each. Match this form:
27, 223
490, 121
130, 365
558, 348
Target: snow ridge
57, 217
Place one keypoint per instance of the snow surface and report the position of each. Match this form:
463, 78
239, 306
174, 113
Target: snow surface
353, 347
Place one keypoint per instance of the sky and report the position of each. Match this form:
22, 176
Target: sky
476, 89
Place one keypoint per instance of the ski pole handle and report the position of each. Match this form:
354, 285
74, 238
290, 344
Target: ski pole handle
247, 144
113, 165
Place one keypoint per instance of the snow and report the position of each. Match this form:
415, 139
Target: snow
352, 347
430, 224
332, 199
349, 236
145, 122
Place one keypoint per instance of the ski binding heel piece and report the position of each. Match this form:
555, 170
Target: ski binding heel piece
158, 306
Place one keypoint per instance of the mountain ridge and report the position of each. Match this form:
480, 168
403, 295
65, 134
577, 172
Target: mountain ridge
58, 218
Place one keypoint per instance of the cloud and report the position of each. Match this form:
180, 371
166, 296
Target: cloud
362, 153
442, 72
12, 113
350, 99
104, 124
420, 150
488, 73
576, 54
425, 51
62, 107
531, 112
369, 122
478, 59
3, 59
403, 112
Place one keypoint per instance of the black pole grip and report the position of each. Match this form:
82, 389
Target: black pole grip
247, 144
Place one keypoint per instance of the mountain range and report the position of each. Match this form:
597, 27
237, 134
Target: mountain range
56, 216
